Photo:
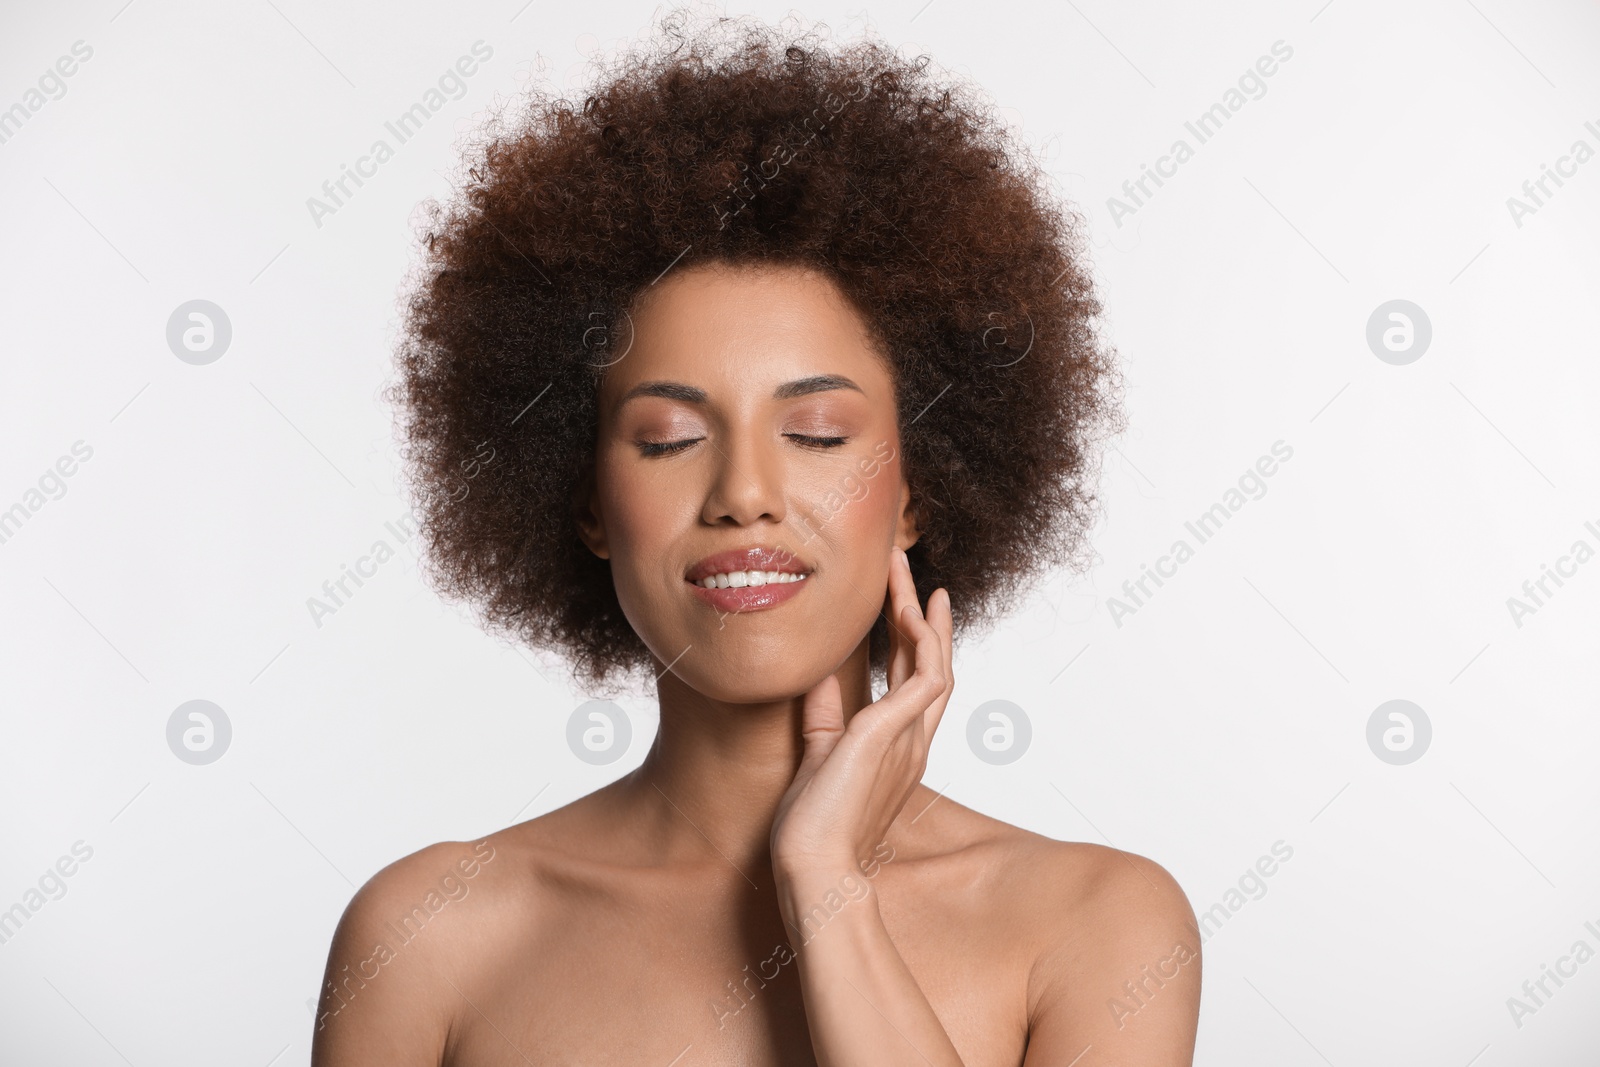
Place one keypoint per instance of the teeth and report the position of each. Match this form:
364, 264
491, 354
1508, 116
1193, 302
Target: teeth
741, 579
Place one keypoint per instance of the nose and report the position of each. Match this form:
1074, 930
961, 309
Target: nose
747, 481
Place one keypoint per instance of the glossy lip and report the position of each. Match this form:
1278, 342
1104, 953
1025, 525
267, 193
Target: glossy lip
752, 597
748, 558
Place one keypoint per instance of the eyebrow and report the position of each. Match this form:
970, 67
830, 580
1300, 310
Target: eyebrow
817, 383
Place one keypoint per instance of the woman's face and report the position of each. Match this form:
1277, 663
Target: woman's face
750, 412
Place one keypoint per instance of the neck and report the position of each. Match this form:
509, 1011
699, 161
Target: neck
709, 787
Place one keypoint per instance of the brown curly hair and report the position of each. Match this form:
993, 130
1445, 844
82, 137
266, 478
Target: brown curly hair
737, 143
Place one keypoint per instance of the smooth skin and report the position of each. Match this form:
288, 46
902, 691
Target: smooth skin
773, 884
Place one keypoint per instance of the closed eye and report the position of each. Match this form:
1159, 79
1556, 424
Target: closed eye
667, 448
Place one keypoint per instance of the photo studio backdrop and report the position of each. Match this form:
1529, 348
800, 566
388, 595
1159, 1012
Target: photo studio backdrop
1334, 665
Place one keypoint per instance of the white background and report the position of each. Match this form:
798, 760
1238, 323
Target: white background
1227, 714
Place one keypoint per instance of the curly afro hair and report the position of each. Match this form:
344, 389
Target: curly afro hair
737, 143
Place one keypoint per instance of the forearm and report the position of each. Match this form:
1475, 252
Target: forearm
862, 1003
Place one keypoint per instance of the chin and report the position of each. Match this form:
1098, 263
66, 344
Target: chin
754, 657
741, 673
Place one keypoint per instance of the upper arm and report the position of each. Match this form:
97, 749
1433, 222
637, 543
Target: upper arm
1121, 984
385, 998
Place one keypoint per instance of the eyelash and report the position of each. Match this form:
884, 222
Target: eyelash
668, 448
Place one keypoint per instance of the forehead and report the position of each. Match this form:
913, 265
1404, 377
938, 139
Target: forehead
745, 329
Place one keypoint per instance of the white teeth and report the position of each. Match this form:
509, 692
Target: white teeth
741, 579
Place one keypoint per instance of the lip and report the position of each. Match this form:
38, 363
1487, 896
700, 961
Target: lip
748, 558
752, 597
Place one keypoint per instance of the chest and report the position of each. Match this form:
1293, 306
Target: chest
680, 981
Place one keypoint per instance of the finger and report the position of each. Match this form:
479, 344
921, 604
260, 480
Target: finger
895, 667
932, 676
902, 591
908, 703
821, 723
941, 619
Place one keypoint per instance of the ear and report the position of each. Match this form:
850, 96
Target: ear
586, 514
909, 528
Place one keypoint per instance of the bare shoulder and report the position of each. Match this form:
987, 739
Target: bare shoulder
1117, 967
1104, 895
411, 940
1082, 889
1109, 938
381, 996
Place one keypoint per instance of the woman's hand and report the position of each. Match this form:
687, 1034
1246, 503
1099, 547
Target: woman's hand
852, 783
853, 780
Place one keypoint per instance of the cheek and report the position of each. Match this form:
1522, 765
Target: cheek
642, 519
866, 509
860, 501
628, 504
858, 515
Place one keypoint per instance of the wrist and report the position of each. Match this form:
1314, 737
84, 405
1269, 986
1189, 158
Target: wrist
814, 878
817, 871
813, 894
812, 868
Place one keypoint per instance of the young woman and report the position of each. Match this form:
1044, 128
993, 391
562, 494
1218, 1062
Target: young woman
761, 376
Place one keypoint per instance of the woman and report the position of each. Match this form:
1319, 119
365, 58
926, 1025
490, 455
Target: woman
761, 376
